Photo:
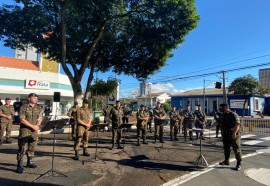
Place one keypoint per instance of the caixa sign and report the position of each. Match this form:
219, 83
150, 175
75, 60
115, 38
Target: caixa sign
37, 84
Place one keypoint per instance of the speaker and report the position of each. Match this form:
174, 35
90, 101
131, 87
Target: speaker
56, 96
218, 85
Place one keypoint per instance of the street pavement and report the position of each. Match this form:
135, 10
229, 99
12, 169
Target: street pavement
154, 164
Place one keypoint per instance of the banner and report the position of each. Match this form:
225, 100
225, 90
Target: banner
238, 103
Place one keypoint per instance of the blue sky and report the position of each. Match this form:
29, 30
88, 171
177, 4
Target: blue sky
231, 34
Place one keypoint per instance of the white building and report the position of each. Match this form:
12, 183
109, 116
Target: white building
20, 77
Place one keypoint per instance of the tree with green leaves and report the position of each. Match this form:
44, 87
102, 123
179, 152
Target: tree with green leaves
130, 37
247, 86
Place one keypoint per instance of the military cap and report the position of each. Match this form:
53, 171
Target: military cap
76, 103
198, 105
117, 101
85, 101
141, 105
32, 95
223, 105
158, 102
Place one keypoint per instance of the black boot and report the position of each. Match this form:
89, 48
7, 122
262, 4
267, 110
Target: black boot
85, 153
144, 141
176, 139
155, 139
171, 138
238, 166
225, 162
119, 146
76, 157
19, 167
138, 142
30, 163
8, 141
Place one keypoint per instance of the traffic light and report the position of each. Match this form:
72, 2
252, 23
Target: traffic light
218, 85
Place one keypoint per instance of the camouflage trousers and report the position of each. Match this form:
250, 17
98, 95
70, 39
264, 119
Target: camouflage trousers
159, 131
236, 146
31, 146
173, 129
116, 135
5, 127
81, 134
140, 129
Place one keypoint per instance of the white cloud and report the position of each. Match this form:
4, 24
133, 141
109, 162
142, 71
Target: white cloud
168, 87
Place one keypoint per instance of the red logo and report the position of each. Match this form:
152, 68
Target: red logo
32, 83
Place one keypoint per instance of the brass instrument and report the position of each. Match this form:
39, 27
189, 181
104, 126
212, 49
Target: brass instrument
144, 121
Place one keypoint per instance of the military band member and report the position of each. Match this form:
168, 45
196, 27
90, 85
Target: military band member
174, 120
230, 129
73, 119
142, 118
17, 106
200, 120
116, 116
82, 132
149, 122
159, 115
6, 116
189, 119
180, 122
126, 113
106, 114
30, 121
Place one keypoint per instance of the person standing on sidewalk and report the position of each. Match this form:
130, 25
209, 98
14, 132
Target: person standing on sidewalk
30, 121
142, 118
73, 119
82, 131
6, 115
230, 129
159, 115
174, 120
116, 116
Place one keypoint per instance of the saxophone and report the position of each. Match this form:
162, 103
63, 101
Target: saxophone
144, 121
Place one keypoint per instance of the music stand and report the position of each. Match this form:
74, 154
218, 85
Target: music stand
164, 123
200, 159
44, 121
55, 124
124, 126
96, 127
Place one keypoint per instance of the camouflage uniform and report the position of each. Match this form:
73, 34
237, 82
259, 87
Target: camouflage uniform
6, 123
106, 114
126, 114
200, 120
217, 117
141, 125
180, 122
174, 121
73, 121
227, 122
26, 134
116, 117
149, 122
188, 121
158, 123
82, 133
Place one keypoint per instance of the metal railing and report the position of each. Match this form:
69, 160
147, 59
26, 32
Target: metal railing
255, 125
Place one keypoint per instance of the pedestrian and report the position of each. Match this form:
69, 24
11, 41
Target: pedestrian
72, 113
230, 129
200, 121
149, 121
6, 117
82, 131
30, 121
174, 120
17, 106
116, 115
126, 113
189, 119
142, 117
159, 115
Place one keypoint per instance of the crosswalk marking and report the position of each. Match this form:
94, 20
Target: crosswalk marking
254, 142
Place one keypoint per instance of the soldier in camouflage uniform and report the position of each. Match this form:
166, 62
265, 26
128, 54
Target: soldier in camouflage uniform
180, 122
116, 116
149, 121
6, 115
217, 117
189, 119
200, 121
230, 129
83, 126
142, 118
126, 113
30, 119
73, 119
159, 115
174, 120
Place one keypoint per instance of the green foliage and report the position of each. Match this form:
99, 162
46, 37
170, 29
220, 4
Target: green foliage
166, 107
103, 88
247, 86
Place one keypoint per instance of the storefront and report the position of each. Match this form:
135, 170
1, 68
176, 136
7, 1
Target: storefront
19, 77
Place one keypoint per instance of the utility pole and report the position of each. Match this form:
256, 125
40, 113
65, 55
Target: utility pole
224, 88
204, 95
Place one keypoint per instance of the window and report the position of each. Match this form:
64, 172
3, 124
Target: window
256, 104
